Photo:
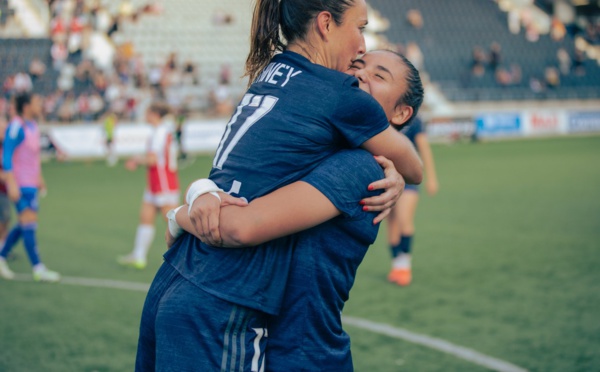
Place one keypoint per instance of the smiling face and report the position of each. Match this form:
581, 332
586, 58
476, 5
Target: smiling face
346, 40
382, 74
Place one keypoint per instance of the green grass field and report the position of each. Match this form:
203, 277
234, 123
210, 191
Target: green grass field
507, 262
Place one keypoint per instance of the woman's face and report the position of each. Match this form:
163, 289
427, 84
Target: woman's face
346, 40
382, 75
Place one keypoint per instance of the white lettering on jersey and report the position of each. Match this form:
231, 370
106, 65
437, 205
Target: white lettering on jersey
273, 73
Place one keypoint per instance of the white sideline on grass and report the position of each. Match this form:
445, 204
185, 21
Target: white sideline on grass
433, 343
380, 328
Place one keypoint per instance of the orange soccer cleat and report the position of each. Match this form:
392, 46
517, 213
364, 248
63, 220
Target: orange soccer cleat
402, 277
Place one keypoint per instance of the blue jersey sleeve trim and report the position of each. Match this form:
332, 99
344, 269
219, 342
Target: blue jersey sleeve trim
15, 134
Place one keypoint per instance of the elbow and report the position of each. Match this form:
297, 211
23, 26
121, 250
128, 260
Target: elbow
240, 236
416, 177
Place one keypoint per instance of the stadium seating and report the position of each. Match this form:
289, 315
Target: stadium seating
452, 29
16, 54
188, 27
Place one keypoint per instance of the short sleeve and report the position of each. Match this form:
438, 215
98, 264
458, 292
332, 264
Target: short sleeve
358, 116
413, 129
344, 177
158, 141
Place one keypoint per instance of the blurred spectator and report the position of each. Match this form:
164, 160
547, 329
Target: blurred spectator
66, 110
126, 9
225, 74
114, 26
22, 83
221, 17
558, 30
83, 107
96, 105
536, 85
564, 61
495, 55
414, 18
552, 77
514, 21
190, 74
531, 33
59, 54
50, 106
516, 74
478, 61
414, 55
503, 77
579, 63
37, 69
8, 86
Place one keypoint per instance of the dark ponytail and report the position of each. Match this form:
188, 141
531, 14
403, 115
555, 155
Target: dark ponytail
293, 17
264, 37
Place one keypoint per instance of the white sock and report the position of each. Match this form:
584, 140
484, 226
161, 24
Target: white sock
143, 240
39, 267
402, 261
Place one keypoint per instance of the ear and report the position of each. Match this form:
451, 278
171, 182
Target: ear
402, 113
324, 22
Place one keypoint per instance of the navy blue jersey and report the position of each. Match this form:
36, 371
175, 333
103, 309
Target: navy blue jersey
294, 116
413, 129
307, 335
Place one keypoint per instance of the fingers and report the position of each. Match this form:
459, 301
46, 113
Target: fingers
385, 200
227, 199
383, 161
381, 216
214, 235
379, 206
383, 184
204, 215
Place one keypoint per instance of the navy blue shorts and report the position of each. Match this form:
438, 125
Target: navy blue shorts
414, 188
183, 328
29, 200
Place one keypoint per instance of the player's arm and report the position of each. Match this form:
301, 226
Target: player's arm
396, 147
14, 136
293, 208
431, 183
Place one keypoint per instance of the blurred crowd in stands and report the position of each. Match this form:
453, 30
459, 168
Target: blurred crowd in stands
86, 92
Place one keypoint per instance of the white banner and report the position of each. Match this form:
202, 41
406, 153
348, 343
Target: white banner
131, 139
79, 141
450, 128
543, 123
202, 136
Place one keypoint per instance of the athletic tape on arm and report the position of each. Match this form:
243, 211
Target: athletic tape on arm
199, 188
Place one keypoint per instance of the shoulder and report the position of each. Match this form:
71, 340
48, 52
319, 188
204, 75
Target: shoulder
15, 128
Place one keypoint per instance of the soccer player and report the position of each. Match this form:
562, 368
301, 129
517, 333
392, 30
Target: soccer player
298, 112
307, 334
23, 177
401, 222
162, 191
4, 201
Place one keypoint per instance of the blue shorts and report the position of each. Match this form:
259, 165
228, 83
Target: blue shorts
29, 200
414, 188
183, 328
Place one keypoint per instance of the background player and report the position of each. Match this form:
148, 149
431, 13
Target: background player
401, 222
4, 201
23, 177
162, 192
